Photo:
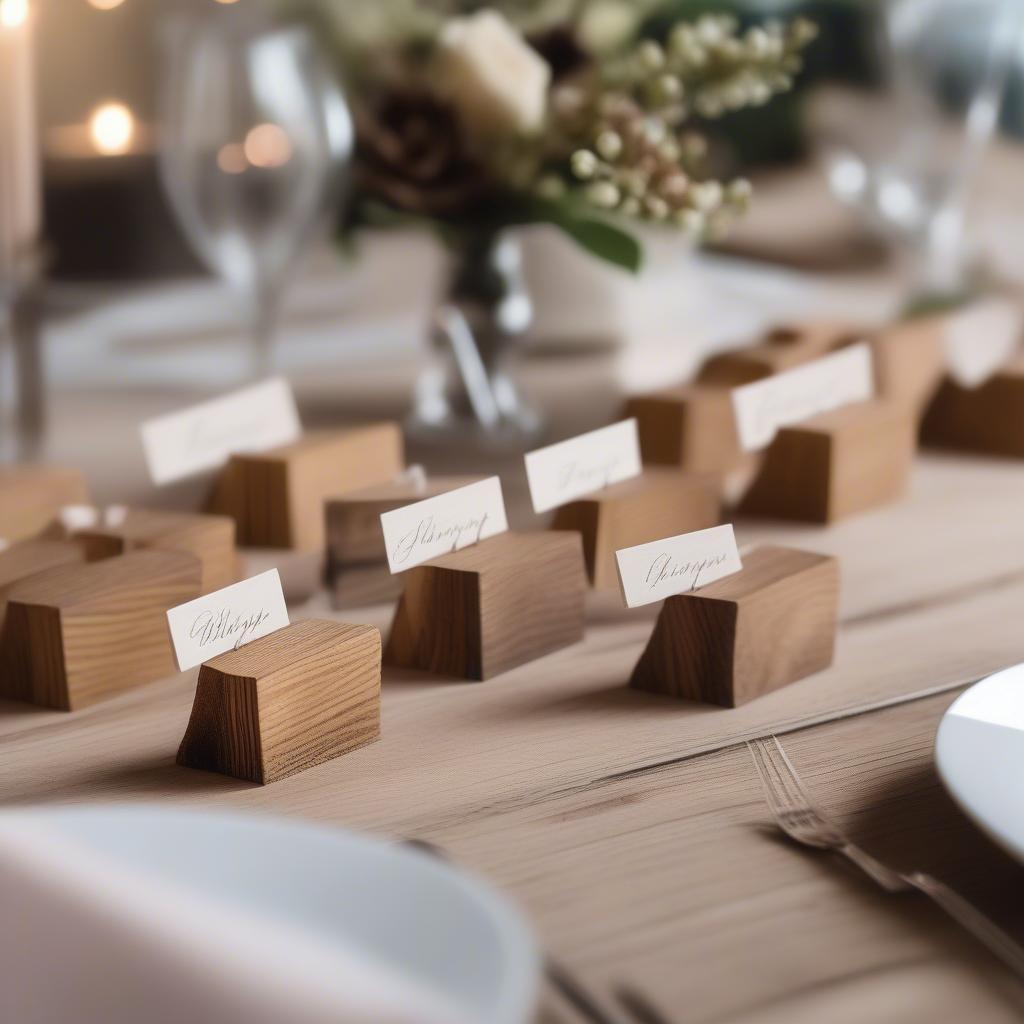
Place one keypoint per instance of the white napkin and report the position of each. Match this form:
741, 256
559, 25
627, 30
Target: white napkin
88, 941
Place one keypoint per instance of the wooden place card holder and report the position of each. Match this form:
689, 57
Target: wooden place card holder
276, 497
210, 538
783, 348
292, 699
357, 562
988, 419
909, 361
30, 557
31, 497
78, 633
836, 464
658, 503
692, 427
485, 609
770, 624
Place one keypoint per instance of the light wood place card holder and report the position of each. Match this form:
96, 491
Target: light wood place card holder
742, 636
691, 427
782, 348
988, 419
78, 633
357, 563
30, 557
292, 699
276, 497
210, 538
909, 361
658, 503
835, 465
482, 610
32, 496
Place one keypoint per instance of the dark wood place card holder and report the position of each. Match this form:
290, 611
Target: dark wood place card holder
770, 624
783, 348
78, 633
210, 538
988, 419
836, 464
276, 497
357, 565
31, 497
692, 427
658, 503
487, 608
30, 557
292, 699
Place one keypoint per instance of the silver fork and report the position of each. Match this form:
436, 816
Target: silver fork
796, 815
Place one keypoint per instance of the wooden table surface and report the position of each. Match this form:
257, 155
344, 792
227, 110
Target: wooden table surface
631, 828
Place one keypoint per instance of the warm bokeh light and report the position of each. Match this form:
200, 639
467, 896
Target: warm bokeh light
267, 145
112, 128
105, 5
226, 1
13, 13
231, 158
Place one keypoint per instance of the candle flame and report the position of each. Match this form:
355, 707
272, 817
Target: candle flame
112, 127
13, 13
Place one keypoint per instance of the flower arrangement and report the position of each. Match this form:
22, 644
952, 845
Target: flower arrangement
474, 119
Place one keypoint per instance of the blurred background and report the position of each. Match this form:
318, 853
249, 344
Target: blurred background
200, 193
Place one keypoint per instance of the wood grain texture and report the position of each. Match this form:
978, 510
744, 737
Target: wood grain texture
357, 569
292, 699
783, 348
692, 427
78, 633
836, 465
989, 418
31, 497
658, 503
483, 610
276, 498
909, 361
23, 560
770, 624
210, 538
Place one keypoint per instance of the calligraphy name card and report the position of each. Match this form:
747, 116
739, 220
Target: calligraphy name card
836, 380
981, 339
227, 619
447, 522
204, 436
561, 472
651, 572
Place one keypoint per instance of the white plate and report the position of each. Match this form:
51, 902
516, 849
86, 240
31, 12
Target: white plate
405, 910
979, 751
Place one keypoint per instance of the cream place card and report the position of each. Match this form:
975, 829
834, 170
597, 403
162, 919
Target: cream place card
651, 572
204, 436
227, 618
421, 531
833, 381
981, 339
569, 469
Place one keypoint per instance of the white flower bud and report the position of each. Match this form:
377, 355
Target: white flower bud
651, 55
583, 164
609, 145
706, 196
656, 207
603, 194
690, 221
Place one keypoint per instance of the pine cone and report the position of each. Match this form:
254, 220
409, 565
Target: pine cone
412, 155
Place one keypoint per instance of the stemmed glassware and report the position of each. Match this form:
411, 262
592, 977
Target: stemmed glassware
909, 163
256, 139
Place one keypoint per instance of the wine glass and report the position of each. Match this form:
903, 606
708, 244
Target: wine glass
909, 163
256, 139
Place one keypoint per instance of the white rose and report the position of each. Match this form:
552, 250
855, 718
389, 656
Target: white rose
496, 81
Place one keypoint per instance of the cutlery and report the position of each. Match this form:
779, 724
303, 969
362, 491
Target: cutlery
797, 816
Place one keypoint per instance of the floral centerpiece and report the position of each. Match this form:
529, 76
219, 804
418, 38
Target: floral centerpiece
556, 112
473, 119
